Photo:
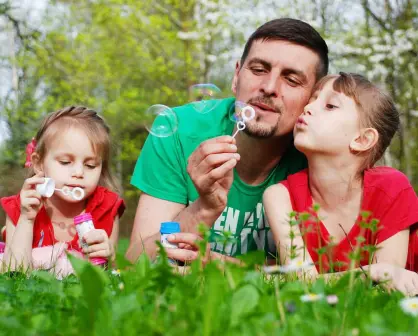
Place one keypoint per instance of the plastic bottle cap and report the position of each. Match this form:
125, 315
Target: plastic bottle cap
169, 227
98, 261
82, 218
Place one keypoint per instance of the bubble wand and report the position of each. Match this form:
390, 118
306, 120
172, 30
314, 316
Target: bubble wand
47, 189
241, 123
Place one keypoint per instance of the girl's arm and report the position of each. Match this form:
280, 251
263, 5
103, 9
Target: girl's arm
277, 206
390, 258
114, 237
394, 250
388, 264
18, 253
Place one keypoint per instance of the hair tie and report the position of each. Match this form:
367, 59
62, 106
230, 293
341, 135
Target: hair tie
30, 148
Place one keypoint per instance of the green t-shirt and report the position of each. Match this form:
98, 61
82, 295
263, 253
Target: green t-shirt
161, 171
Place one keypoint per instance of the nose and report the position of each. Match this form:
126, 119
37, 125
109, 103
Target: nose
78, 171
270, 86
307, 110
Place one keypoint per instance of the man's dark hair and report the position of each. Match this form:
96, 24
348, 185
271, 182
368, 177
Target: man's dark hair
294, 31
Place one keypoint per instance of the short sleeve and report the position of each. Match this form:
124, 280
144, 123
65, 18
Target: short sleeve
11, 206
160, 170
400, 214
118, 208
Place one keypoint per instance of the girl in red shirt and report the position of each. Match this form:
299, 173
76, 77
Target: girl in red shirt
72, 147
344, 130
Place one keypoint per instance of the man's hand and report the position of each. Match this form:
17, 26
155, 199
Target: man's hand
188, 244
211, 169
188, 250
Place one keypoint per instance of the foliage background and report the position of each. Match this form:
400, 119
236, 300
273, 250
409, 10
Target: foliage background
121, 56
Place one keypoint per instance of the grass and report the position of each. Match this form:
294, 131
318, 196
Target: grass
150, 299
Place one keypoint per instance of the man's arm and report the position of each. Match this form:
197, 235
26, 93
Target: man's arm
151, 212
210, 167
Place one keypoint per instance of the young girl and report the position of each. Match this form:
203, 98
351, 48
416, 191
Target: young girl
72, 147
343, 132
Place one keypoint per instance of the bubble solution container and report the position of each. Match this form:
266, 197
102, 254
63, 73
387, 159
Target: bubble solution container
168, 228
83, 224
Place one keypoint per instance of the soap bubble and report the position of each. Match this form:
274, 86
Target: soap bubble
204, 97
160, 121
241, 111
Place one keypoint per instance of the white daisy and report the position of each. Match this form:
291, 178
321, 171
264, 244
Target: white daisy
311, 297
410, 306
294, 266
116, 272
121, 286
271, 269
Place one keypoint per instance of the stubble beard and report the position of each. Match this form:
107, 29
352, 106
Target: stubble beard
259, 130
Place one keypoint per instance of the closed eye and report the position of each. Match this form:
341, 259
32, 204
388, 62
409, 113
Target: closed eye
331, 106
64, 163
258, 71
292, 81
90, 166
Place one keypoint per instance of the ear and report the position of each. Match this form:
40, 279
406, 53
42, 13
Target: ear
365, 140
36, 163
235, 79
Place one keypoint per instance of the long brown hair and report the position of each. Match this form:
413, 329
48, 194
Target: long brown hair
96, 129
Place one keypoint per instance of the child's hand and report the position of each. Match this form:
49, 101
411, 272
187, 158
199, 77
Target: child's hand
396, 277
99, 244
30, 199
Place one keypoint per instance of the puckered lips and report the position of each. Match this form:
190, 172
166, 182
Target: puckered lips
301, 122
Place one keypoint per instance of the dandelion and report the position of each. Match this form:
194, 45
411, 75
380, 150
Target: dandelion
121, 286
410, 306
294, 266
116, 272
311, 297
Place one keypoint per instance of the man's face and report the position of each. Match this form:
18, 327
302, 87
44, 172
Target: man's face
276, 79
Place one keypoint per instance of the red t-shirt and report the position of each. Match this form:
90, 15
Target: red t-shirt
103, 205
387, 195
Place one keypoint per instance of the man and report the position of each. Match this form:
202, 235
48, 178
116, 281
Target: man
203, 175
